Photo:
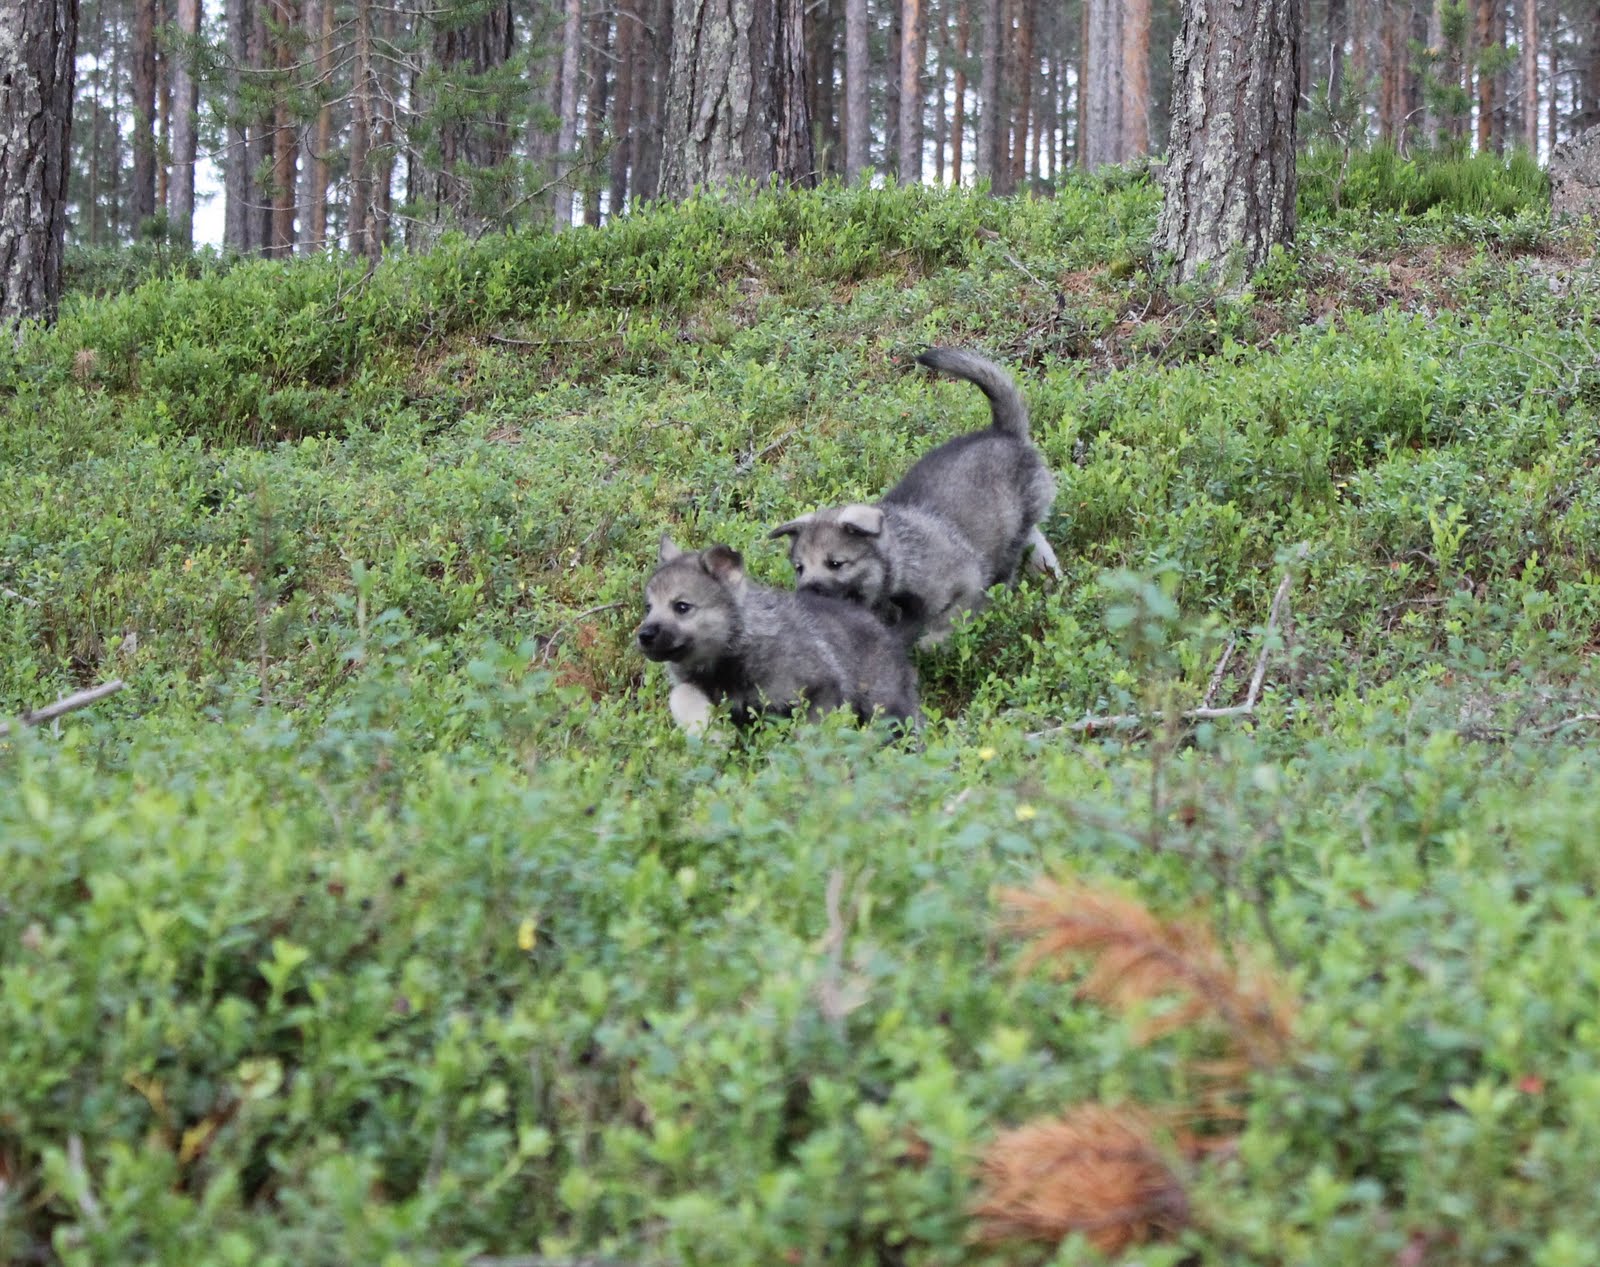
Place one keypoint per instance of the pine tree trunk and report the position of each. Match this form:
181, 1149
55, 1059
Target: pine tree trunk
891, 92
958, 116
38, 62
622, 112
857, 127
1491, 134
650, 98
1530, 76
286, 19
1135, 79
909, 164
823, 31
261, 153
361, 123
1024, 80
567, 137
736, 96
990, 112
142, 203
385, 75
118, 168
595, 106
1230, 183
1104, 65
318, 201
163, 120
185, 102
1080, 137
1412, 80
1391, 95
1338, 33
236, 174
941, 119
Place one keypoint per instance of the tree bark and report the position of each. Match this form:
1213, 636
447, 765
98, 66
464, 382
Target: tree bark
622, 112
857, 128
317, 234
185, 102
1530, 76
163, 117
1338, 34
1117, 118
142, 203
736, 96
260, 145
285, 18
958, 113
1230, 183
650, 97
237, 177
1024, 80
38, 62
909, 165
990, 111
361, 227
567, 137
1491, 34
595, 106
941, 75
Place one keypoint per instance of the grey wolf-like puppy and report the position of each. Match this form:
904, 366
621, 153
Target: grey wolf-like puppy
960, 521
725, 638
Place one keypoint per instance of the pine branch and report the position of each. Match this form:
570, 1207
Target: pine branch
66, 704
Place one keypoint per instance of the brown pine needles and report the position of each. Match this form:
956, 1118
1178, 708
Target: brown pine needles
1137, 959
1095, 1171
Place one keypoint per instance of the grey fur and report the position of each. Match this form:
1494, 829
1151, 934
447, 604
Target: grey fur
766, 650
960, 521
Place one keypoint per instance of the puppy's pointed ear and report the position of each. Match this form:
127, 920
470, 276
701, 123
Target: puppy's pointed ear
792, 528
723, 562
668, 551
863, 521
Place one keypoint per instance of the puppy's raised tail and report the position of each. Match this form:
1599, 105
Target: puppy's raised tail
1010, 411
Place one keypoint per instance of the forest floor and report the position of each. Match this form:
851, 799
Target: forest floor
383, 916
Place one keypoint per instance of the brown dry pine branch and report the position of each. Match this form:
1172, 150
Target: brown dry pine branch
1136, 958
1096, 1171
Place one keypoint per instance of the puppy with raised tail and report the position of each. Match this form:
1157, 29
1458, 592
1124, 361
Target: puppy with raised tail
726, 639
961, 520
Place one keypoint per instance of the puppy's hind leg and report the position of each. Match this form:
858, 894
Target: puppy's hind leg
1041, 558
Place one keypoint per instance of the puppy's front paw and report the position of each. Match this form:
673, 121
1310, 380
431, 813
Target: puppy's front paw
1041, 558
690, 708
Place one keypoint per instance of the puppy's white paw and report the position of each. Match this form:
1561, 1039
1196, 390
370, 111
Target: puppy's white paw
1041, 558
690, 708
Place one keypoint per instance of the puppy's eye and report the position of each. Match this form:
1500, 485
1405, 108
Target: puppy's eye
682, 608
799, 568
835, 564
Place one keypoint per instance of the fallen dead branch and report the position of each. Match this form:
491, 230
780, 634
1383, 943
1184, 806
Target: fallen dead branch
1141, 721
21, 598
67, 704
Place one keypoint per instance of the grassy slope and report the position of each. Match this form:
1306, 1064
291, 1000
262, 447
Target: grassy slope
458, 948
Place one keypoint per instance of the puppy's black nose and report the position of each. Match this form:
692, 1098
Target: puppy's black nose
648, 634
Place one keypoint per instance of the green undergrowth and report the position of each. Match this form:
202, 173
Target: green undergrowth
383, 917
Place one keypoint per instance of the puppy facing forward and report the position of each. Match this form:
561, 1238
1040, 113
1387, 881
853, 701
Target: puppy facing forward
960, 521
725, 638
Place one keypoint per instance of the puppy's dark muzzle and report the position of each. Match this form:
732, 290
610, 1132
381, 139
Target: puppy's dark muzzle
657, 643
